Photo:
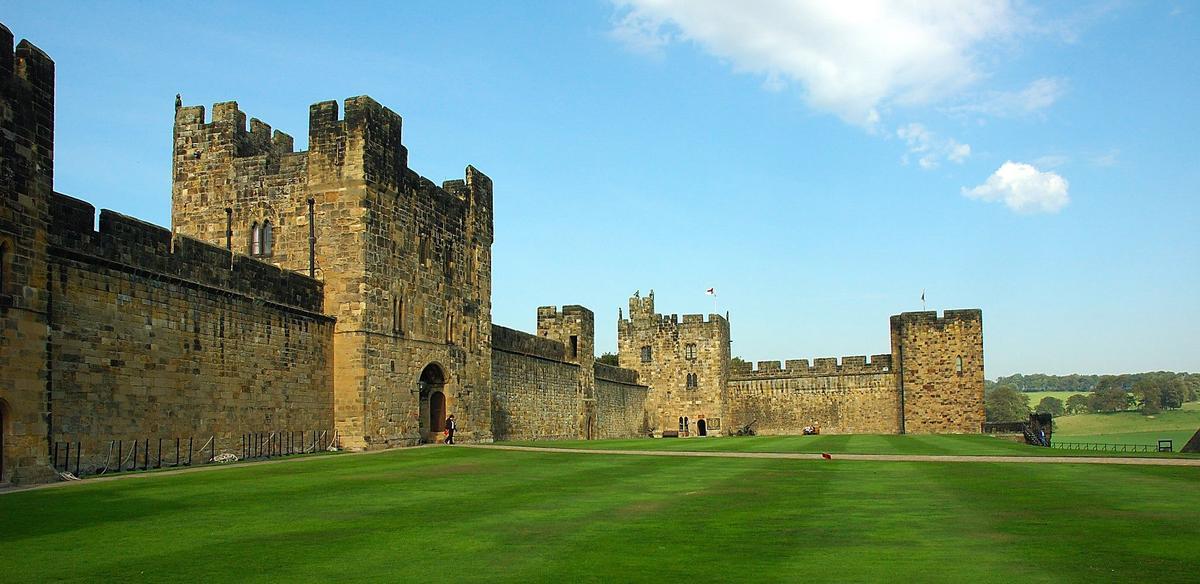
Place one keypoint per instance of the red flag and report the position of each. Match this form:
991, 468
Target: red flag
826, 456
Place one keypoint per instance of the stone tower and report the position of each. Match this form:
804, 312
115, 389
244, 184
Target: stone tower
26, 182
575, 328
406, 264
939, 363
686, 365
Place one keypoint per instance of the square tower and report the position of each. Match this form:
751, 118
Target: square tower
684, 363
406, 263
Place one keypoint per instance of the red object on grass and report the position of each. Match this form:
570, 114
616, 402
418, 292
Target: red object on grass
826, 456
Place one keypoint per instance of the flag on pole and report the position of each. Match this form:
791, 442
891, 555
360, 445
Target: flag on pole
711, 292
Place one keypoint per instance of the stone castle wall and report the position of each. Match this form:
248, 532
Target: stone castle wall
26, 177
160, 336
855, 397
620, 403
536, 394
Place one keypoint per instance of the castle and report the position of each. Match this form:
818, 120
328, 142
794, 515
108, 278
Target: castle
337, 290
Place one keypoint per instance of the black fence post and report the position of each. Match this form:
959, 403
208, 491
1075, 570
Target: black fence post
66, 459
176, 451
146, 455
120, 460
214, 449
159, 463
78, 447
133, 459
189, 451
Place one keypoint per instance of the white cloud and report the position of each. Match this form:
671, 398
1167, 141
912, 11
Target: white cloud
1037, 96
851, 59
1023, 188
930, 147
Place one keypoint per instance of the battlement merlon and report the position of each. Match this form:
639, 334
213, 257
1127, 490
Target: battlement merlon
129, 244
852, 365
26, 62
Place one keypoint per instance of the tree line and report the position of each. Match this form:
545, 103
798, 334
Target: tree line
1149, 393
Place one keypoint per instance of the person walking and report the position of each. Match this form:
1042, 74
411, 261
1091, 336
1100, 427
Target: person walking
451, 426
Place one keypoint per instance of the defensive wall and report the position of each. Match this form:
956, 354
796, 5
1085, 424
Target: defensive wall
541, 392
155, 335
853, 396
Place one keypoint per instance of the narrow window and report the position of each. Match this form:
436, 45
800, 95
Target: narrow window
689, 351
646, 354
450, 329
255, 241
267, 238
680, 424
3, 266
693, 381
574, 346
958, 365
395, 315
423, 250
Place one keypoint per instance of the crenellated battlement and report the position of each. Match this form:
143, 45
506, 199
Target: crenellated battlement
852, 365
931, 318
129, 244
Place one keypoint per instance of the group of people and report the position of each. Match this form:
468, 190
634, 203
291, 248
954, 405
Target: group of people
812, 429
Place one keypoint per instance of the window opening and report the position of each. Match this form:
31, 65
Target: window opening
267, 238
646, 354
689, 351
574, 346
255, 241
958, 365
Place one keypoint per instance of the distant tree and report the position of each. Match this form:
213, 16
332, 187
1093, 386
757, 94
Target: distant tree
1050, 405
1005, 404
1077, 404
609, 359
1109, 398
738, 363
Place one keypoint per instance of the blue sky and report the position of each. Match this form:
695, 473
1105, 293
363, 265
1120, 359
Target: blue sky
819, 166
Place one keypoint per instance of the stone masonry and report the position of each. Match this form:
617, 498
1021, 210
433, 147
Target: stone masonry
337, 290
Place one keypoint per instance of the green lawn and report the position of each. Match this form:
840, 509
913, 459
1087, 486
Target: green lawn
1179, 437
445, 513
935, 444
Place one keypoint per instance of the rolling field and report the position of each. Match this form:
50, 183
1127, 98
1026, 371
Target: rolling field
1130, 427
1036, 396
447, 513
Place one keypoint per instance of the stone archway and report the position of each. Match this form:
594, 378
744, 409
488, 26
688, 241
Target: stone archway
432, 415
701, 427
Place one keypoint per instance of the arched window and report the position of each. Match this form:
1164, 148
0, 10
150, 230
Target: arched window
268, 238
693, 381
689, 351
958, 364
681, 423
255, 239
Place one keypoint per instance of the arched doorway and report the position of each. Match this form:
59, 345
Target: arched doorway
433, 402
701, 428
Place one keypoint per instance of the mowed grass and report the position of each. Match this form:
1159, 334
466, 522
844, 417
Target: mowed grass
932, 444
478, 515
1178, 438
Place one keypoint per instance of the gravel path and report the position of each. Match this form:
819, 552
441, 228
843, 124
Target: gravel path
870, 457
